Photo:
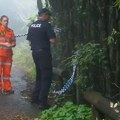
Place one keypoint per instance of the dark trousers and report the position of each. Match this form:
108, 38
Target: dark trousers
43, 63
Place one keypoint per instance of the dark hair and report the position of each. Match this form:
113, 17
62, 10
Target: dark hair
3, 16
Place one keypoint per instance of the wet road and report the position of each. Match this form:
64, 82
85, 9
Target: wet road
14, 104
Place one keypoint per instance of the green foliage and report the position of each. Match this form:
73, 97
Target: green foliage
113, 38
90, 59
117, 3
32, 19
68, 112
23, 58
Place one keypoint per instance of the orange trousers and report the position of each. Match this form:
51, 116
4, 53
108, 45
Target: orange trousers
5, 70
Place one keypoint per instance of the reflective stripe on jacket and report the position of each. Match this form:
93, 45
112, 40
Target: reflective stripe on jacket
6, 35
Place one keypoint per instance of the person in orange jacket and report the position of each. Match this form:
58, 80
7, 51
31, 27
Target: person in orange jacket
7, 41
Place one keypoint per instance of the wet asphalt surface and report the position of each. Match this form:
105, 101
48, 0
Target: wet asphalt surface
14, 106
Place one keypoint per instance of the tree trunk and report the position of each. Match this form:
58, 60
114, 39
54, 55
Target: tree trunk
39, 4
106, 106
96, 115
60, 72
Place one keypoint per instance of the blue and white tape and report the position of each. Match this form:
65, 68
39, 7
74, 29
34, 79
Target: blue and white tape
68, 83
56, 30
21, 35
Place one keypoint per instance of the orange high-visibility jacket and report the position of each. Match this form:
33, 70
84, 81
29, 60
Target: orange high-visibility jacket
6, 35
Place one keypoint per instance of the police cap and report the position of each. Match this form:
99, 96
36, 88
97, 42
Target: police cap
44, 11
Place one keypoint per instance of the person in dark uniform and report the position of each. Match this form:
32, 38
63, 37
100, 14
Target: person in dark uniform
40, 35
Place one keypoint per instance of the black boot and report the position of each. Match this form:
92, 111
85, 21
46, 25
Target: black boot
44, 106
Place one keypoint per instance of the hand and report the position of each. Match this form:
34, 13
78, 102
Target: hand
53, 40
29, 43
7, 44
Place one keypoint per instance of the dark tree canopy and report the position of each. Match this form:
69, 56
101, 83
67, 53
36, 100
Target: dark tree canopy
96, 21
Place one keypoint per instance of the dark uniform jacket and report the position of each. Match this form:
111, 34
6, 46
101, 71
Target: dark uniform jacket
39, 34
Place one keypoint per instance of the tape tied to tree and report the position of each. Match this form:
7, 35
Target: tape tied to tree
68, 83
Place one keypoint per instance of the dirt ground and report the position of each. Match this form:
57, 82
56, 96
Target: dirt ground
17, 106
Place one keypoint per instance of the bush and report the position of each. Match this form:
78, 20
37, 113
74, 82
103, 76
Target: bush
91, 62
68, 112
